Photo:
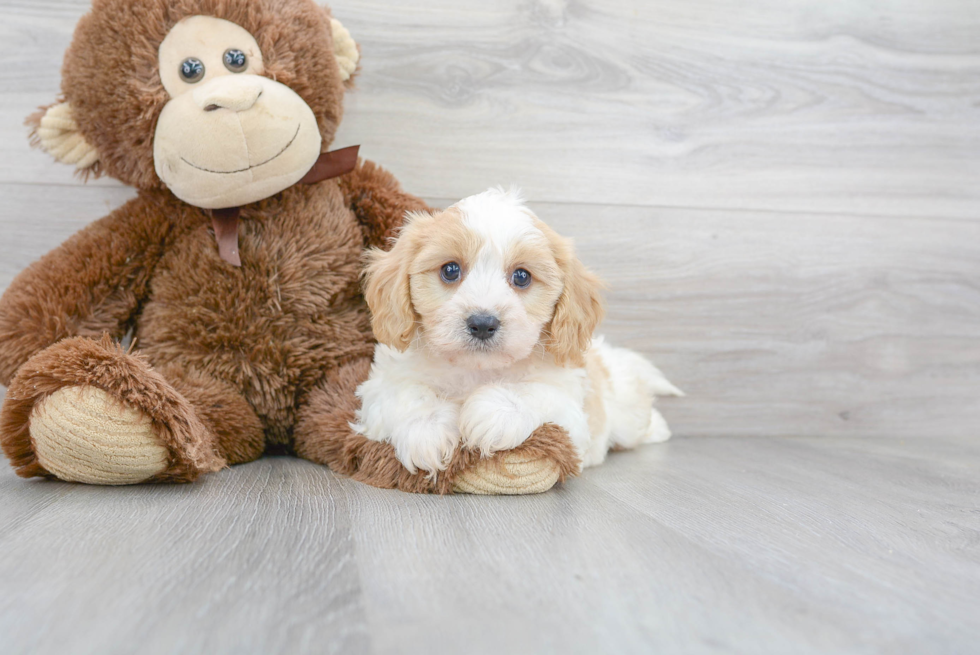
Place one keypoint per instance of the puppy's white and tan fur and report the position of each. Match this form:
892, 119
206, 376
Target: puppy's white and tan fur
436, 382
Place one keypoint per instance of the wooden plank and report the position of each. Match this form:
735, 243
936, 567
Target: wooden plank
775, 324
797, 105
850, 525
720, 545
252, 560
753, 545
790, 325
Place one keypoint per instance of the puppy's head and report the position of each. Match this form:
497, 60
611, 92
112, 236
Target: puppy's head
481, 285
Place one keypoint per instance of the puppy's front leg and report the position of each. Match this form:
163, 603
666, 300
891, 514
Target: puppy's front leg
421, 425
502, 416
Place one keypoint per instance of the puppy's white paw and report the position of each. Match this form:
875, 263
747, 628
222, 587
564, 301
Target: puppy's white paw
426, 443
495, 418
657, 430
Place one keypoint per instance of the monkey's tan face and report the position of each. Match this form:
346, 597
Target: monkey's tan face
228, 136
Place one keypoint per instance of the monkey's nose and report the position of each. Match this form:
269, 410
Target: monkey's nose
482, 326
238, 93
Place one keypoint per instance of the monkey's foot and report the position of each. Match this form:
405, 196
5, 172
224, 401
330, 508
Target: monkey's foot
83, 434
536, 466
87, 411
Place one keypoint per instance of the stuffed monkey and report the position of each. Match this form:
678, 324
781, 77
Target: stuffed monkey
236, 268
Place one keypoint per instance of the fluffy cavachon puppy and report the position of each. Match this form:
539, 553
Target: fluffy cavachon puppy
486, 319
236, 267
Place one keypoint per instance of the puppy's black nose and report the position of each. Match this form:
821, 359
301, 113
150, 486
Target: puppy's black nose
482, 326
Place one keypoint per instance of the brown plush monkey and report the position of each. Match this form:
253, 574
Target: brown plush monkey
236, 268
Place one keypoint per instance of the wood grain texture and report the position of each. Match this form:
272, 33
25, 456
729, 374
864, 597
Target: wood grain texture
782, 196
790, 325
751, 545
802, 105
260, 561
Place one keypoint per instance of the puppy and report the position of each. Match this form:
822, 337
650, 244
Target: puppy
485, 323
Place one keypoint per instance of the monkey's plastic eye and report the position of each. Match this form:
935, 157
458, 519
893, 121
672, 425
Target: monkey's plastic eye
192, 70
521, 278
450, 272
235, 60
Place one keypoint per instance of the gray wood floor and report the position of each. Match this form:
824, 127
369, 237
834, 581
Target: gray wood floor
712, 544
783, 197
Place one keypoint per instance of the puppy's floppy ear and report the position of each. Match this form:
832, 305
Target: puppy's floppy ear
387, 290
579, 309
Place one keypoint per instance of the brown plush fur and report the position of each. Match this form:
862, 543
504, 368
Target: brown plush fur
230, 360
84, 362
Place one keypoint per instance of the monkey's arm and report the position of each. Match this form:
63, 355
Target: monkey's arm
378, 201
92, 284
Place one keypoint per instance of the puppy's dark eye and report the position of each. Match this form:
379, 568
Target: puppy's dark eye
235, 60
192, 70
450, 272
521, 278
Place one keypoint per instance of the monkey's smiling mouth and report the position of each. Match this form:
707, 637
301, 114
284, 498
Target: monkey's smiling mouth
243, 170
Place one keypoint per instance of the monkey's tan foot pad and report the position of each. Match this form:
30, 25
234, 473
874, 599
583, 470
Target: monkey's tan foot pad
511, 474
83, 434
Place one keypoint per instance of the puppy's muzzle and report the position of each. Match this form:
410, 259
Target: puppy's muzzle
482, 326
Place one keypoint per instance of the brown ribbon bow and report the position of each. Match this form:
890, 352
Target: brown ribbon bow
225, 221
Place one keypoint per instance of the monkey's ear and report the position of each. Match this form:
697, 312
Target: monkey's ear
345, 50
56, 132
